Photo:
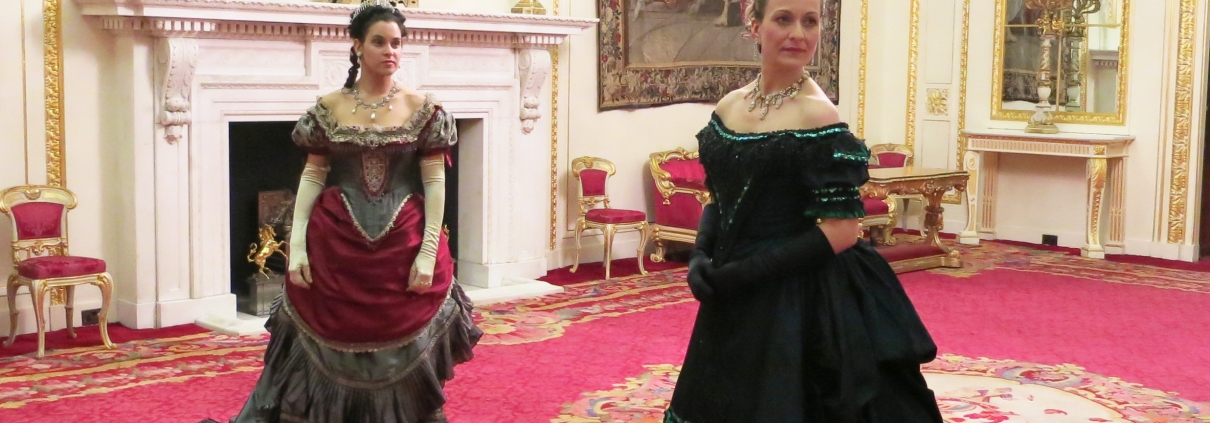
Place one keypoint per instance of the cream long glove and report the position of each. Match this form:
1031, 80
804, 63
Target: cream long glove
432, 174
309, 186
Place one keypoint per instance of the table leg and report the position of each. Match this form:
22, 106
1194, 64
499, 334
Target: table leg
934, 221
1097, 169
1117, 203
970, 235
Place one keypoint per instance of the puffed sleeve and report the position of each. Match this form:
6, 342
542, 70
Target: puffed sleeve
310, 133
440, 133
835, 169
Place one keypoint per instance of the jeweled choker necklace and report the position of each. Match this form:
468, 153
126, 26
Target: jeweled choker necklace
763, 100
386, 101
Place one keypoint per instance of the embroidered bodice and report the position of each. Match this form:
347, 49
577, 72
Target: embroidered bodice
376, 169
774, 184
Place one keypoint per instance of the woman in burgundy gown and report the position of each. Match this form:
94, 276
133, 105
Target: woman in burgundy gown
372, 321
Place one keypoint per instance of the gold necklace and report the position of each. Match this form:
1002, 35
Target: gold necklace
763, 100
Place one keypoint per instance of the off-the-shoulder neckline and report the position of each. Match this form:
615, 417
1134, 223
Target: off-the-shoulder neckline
717, 123
419, 117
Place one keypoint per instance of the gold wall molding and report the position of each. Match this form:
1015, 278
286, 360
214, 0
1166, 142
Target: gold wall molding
913, 53
52, 47
1115, 119
56, 149
554, 139
1182, 131
865, 24
938, 101
953, 197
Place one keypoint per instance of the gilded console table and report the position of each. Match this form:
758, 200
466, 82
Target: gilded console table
932, 184
1105, 158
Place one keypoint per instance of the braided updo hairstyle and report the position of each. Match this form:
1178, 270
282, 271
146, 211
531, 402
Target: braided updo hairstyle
360, 21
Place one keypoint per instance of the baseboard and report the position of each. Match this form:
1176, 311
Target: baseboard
183, 312
134, 315
57, 318
493, 275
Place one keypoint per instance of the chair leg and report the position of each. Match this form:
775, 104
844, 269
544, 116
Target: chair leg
12, 310
38, 291
609, 232
70, 308
579, 228
642, 246
105, 282
657, 255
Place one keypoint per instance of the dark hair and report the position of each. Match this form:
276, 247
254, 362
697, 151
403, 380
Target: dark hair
360, 21
753, 14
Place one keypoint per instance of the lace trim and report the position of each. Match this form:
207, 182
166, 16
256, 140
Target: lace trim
356, 347
376, 137
421, 358
385, 229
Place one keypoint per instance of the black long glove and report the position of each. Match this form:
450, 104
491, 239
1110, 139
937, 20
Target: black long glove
809, 250
699, 262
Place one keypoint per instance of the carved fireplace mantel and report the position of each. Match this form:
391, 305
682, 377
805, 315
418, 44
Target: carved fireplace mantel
196, 66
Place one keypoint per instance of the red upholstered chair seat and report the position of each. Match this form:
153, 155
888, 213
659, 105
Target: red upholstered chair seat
614, 216
51, 267
874, 206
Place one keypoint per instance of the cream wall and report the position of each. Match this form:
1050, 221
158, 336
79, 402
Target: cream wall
23, 141
1040, 196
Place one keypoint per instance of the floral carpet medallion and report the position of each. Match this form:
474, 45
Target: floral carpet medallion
540, 319
968, 390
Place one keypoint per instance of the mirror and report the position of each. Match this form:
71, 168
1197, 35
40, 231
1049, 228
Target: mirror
1087, 59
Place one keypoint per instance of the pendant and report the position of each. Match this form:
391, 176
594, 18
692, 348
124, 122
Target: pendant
354, 109
373, 115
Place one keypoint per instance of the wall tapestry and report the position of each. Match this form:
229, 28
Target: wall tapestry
659, 52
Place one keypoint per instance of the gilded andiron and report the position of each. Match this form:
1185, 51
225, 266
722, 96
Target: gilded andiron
266, 285
269, 245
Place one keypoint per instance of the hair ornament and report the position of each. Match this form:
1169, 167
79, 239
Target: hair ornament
370, 4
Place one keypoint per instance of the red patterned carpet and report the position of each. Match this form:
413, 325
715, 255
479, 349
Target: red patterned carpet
1027, 335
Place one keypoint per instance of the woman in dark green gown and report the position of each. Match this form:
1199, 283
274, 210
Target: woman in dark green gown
799, 320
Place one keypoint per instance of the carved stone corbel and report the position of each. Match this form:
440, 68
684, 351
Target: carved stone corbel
534, 65
176, 62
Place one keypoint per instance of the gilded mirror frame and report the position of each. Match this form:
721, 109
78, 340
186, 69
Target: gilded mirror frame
1118, 117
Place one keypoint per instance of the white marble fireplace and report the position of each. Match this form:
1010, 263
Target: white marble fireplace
188, 68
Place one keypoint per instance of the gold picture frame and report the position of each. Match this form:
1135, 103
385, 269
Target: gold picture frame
1115, 118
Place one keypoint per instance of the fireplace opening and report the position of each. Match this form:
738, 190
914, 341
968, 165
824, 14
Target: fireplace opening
264, 169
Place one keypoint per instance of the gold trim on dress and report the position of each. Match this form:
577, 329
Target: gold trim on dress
359, 346
428, 329
376, 137
390, 224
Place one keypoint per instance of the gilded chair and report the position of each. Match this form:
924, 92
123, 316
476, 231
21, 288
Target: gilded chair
41, 261
593, 176
681, 194
891, 156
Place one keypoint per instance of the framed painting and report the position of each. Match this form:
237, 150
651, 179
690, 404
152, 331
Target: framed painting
660, 52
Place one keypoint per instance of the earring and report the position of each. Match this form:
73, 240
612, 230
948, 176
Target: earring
756, 52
